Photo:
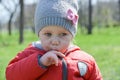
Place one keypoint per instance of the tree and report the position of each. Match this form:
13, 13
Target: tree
29, 16
119, 10
83, 15
21, 26
0, 21
11, 12
90, 17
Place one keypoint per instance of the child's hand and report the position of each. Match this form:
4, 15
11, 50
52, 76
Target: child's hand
51, 57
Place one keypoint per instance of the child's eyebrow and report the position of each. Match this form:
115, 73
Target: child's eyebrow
47, 31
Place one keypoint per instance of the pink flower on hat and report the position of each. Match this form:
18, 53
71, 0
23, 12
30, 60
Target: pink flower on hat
72, 16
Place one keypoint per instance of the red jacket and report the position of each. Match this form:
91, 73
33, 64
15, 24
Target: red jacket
25, 66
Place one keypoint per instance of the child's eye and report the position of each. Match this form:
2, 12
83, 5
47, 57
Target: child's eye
63, 34
48, 34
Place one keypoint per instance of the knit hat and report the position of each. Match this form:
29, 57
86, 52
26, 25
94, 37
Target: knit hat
62, 13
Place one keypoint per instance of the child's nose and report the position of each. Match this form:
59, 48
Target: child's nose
55, 41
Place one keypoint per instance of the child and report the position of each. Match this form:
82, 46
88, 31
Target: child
54, 57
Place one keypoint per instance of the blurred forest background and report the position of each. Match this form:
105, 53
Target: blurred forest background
92, 13
98, 32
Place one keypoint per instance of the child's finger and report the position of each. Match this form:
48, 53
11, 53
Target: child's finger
54, 60
54, 55
60, 54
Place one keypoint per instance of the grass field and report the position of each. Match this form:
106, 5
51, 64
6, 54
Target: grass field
103, 45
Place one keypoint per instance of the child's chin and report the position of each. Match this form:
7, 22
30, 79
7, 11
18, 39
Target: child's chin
62, 51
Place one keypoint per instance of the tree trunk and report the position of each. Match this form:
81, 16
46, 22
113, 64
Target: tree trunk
11, 15
119, 10
9, 24
21, 26
90, 18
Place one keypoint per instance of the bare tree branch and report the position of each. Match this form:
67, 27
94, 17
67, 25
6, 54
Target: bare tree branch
12, 4
5, 7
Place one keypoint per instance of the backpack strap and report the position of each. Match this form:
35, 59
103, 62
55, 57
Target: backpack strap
82, 68
64, 69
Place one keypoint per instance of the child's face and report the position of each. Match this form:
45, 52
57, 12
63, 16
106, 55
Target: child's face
55, 38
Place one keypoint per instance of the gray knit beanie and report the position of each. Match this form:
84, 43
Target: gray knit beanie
61, 13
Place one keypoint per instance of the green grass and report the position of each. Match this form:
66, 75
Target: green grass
103, 45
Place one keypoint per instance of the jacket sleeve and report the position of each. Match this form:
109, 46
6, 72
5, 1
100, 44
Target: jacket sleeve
24, 67
93, 71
